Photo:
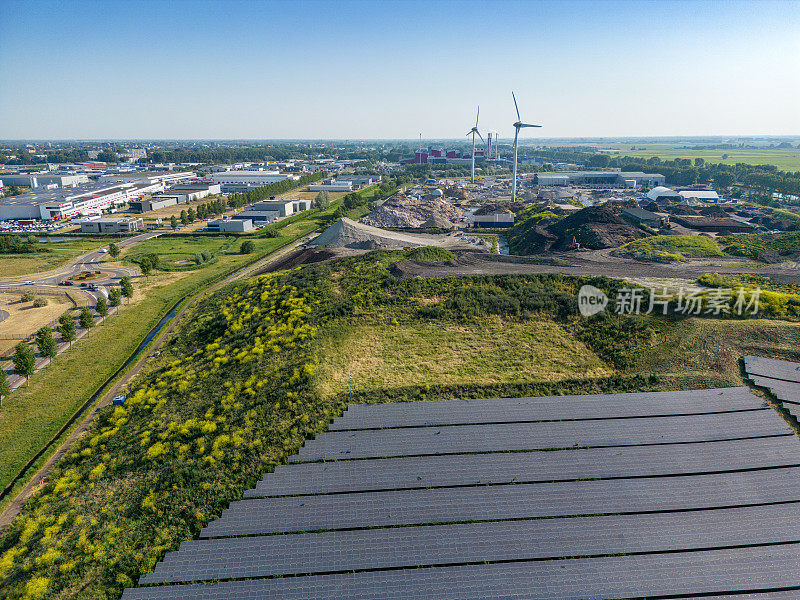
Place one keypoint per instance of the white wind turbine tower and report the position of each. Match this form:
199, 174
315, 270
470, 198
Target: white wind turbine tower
473, 131
517, 126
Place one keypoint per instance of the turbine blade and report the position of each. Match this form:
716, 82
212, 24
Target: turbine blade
528, 125
516, 135
470, 131
478, 115
515, 106
480, 136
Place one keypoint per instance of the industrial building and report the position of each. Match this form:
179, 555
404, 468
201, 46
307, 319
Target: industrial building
157, 201
230, 225
699, 196
257, 216
167, 178
644, 217
112, 225
602, 179
500, 218
196, 191
35, 180
332, 185
66, 203
442, 156
359, 181
663, 194
257, 178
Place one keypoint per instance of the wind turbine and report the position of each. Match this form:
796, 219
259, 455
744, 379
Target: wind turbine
517, 126
473, 131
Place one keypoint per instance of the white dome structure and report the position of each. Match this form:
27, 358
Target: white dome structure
661, 191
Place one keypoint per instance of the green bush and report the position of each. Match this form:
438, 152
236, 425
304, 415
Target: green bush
670, 248
431, 254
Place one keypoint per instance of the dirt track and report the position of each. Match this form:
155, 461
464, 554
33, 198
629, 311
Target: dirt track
593, 263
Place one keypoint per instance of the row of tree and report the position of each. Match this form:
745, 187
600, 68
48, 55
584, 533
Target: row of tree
24, 357
684, 171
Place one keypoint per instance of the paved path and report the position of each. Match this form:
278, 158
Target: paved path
13, 509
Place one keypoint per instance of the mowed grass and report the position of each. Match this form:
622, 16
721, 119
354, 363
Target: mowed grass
697, 353
13, 265
386, 355
25, 319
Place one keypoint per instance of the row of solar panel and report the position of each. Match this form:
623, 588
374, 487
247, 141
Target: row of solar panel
340, 445
769, 367
343, 551
673, 574
523, 501
494, 410
782, 378
510, 467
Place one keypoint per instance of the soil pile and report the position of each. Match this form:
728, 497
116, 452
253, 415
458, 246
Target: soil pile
401, 211
346, 233
594, 227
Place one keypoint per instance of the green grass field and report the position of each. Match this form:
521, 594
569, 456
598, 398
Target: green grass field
13, 265
784, 159
389, 355
178, 253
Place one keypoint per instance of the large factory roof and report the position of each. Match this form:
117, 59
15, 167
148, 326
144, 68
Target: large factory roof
58, 195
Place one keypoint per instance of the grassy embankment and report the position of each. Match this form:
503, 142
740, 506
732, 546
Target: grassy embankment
33, 414
671, 248
257, 368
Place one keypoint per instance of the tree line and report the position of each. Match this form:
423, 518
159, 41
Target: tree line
24, 357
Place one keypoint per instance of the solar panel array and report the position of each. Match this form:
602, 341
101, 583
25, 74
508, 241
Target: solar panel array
781, 377
626, 495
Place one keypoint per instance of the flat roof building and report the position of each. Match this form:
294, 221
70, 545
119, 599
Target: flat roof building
701, 195
640, 215
258, 178
230, 225
258, 216
605, 179
35, 180
112, 225
66, 203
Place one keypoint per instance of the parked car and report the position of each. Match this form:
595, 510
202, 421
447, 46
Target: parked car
30, 283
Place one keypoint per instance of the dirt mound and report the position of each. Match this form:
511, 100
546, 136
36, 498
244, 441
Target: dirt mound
594, 227
346, 233
401, 211
713, 211
437, 222
679, 209
298, 257
457, 193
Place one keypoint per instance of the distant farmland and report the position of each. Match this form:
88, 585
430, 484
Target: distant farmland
786, 159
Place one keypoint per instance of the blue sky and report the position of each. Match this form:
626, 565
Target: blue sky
229, 69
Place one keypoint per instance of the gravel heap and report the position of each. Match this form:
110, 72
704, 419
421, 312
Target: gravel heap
401, 211
346, 233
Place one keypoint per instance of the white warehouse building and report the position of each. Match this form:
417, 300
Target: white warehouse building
258, 178
66, 203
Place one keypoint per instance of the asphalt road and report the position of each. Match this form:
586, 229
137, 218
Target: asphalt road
91, 261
